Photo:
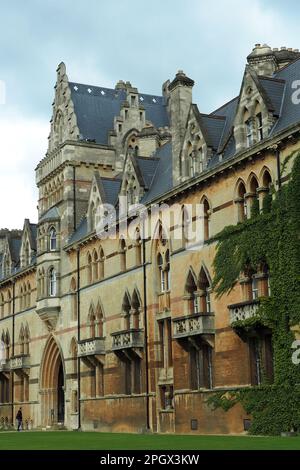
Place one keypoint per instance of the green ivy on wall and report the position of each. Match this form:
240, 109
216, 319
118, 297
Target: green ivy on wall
272, 236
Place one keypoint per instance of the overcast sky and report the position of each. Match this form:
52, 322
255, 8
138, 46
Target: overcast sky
101, 42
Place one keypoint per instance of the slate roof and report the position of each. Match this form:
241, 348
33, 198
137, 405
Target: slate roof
290, 112
81, 231
228, 111
274, 90
111, 189
50, 214
163, 178
95, 109
147, 166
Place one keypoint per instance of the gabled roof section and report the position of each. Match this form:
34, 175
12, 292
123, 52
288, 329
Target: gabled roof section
95, 108
147, 167
211, 126
273, 88
162, 180
111, 188
228, 111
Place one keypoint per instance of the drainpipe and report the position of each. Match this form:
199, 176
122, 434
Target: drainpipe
78, 338
74, 198
146, 331
13, 352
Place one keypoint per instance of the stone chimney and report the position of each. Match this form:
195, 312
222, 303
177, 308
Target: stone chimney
180, 100
266, 61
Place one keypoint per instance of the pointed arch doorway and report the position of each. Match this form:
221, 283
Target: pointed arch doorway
52, 385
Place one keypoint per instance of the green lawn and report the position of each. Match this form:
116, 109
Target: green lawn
63, 440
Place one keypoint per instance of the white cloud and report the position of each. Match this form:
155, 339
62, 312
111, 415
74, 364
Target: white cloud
22, 144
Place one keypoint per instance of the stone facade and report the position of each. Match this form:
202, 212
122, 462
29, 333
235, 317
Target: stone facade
127, 334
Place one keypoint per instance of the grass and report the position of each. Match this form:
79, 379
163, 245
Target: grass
63, 440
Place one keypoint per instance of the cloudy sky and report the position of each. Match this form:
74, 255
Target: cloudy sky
102, 42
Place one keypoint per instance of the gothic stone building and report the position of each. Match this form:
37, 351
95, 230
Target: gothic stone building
124, 334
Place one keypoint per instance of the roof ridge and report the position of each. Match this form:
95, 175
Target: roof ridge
152, 95
212, 116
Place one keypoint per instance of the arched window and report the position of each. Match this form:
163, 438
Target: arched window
204, 288
200, 154
160, 264
126, 307
7, 345
52, 239
52, 283
135, 308
99, 322
167, 270
192, 295
122, 255
241, 202
248, 120
24, 296
265, 280
73, 290
192, 162
21, 298
206, 219
184, 226
2, 305
89, 268
259, 123
21, 340
9, 301
26, 340
28, 296
267, 180
92, 322
95, 266
138, 247
254, 196
101, 263
58, 127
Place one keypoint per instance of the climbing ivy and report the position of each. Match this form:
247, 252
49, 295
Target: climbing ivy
272, 236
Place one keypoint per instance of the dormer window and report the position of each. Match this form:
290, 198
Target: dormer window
52, 239
193, 164
259, 126
249, 132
